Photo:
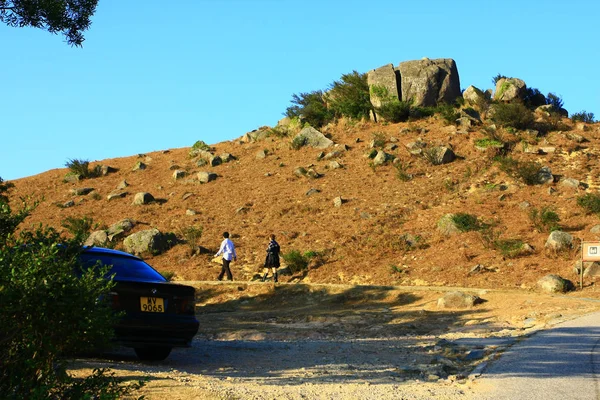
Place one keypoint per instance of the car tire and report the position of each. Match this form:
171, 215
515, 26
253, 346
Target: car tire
152, 353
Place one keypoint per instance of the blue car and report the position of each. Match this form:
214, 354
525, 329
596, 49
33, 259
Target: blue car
158, 315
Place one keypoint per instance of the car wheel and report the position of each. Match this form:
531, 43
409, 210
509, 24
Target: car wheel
152, 353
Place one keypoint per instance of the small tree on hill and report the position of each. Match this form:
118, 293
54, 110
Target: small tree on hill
349, 97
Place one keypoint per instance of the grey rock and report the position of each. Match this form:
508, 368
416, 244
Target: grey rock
179, 174
559, 240
338, 201
554, 284
590, 269
441, 155
383, 86
148, 241
312, 191
261, 154
81, 191
458, 300
139, 166
474, 96
595, 229
545, 176
570, 183
190, 212
382, 158
429, 82
335, 165
116, 195
68, 204
416, 148
122, 185
314, 138
118, 229
205, 177
447, 226
97, 238
510, 89
105, 170
142, 198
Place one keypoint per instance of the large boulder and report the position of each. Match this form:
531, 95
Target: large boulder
554, 284
384, 85
382, 158
144, 242
510, 89
314, 138
429, 82
475, 96
558, 241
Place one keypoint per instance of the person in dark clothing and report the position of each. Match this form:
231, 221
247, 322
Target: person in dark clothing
272, 260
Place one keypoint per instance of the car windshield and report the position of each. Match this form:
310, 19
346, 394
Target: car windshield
124, 268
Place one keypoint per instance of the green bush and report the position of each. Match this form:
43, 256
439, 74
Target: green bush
527, 171
296, 261
394, 111
533, 98
378, 140
544, 219
514, 115
48, 312
201, 145
496, 78
310, 108
448, 113
168, 275
590, 202
349, 97
509, 248
79, 227
299, 141
583, 116
466, 222
81, 168
402, 172
192, 236
555, 101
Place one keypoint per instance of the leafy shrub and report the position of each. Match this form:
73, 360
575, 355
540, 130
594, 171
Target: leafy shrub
192, 235
39, 289
310, 108
395, 111
201, 145
402, 172
168, 275
81, 168
544, 219
466, 222
349, 97
448, 113
378, 140
4, 187
555, 101
514, 115
583, 116
79, 227
533, 98
296, 261
527, 171
496, 78
418, 112
590, 202
510, 248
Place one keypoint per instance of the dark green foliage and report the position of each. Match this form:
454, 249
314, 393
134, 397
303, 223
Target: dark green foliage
514, 115
509, 248
395, 111
555, 101
168, 275
402, 172
583, 116
496, 78
449, 113
81, 168
590, 202
4, 187
70, 18
79, 227
296, 261
378, 140
527, 171
201, 145
466, 222
192, 235
349, 97
421, 112
310, 108
544, 219
299, 141
533, 98
49, 312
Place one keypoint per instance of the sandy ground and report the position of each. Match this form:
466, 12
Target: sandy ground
294, 341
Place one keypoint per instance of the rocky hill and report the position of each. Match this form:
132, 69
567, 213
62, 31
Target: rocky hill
359, 222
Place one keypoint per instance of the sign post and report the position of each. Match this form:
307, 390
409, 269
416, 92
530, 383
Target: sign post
590, 252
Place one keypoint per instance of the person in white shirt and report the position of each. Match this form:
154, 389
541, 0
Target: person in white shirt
228, 250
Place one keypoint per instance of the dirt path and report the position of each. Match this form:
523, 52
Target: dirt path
259, 341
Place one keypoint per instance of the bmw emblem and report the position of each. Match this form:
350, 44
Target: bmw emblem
153, 291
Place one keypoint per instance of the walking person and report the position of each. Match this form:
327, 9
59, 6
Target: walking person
272, 260
228, 250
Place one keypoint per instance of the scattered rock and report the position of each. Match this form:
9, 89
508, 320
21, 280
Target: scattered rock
82, 191
338, 201
142, 198
144, 242
559, 240
314, 138
205, 177
139, 166
458, 300
554, 284
97, 238
179, 174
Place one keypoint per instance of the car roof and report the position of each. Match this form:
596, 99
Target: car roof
105, 251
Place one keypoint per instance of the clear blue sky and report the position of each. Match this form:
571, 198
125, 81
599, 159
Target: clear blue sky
155, 75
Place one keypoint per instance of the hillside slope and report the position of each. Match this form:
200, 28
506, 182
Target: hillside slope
360, 242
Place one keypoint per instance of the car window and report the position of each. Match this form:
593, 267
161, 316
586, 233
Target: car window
124, 268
